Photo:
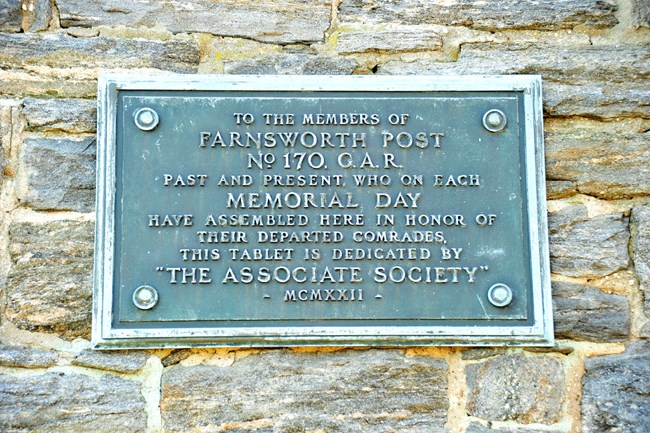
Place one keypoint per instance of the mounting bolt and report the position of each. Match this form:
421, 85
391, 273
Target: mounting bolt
145, 297
146, 118
500, 295
494, 120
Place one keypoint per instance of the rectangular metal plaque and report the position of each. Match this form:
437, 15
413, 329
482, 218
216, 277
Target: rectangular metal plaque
323, 210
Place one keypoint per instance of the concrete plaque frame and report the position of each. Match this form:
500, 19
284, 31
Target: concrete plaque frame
119, 307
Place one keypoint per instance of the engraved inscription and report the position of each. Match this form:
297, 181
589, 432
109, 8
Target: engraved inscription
324, 208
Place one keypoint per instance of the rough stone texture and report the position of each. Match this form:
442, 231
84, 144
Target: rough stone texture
120, 361
586, 313
64, 66
606, 160
526, 389
175, 357
10, 131
293, 63
350, 391
594, 81
615, 390
26, 356
60, 174
61, 115
37, 15
641, 13
645, 332
485, 15
62, 51
641, 247
476, 353
587, 247
413, 38
49, 286
10, 15
69, 402
264, 20
480, 428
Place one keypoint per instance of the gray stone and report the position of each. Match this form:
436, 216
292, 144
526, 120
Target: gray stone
480, 428
37, 15
526, 389
10, 137
82, 32
61, 115
59, 174
175, 357
605, 160
25, 356
615, 390
398, 39
585, 313
11, 15
645, 332
49, 286
70, 402
592, 81
597, 99
263, 20
557, 348
484, 15
121, 361
587, 247
61, 83
475, 353
641, 248
348, 391
63, 51
641, 13
293, 63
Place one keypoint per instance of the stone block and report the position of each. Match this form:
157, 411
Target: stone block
70, 402
615, 390
61, 115
11, 15
284, 22
526, 389
641, 248
585, 313
63, 51
641, 13
58, 174
49, 286
37, 15
587, 247
406, 38
175, 357
484, 15
592, 81
292, 63
59, 65
122, 361
10, 137
597, 100
26, 357
348, 391
476, 427
605, 160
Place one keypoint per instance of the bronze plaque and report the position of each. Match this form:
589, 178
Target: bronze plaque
252, 211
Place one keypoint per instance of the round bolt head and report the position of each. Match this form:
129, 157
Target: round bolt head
146, 118
145, 297
500, 295
494, 120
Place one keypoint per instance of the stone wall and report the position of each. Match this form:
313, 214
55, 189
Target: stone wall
594, 56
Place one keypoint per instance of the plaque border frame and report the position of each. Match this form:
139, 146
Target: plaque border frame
104, 336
